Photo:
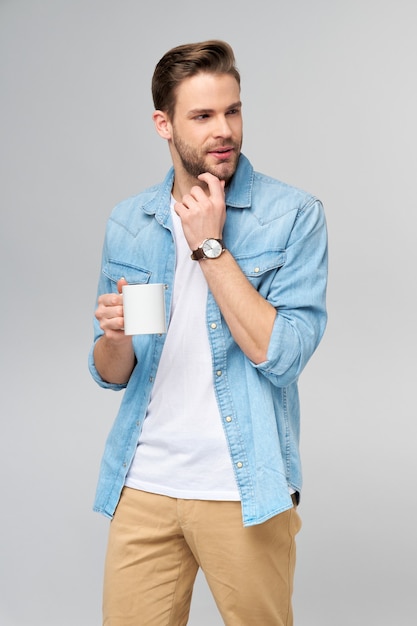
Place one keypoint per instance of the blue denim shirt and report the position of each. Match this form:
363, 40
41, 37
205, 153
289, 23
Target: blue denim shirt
277, 234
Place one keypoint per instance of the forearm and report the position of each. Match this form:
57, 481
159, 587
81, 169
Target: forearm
248, 315
114, 359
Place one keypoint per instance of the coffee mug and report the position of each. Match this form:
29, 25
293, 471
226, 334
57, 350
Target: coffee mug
144, 308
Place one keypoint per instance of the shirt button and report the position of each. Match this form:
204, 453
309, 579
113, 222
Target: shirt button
213, 326
219, 373
228, 419
257, 270
239, 464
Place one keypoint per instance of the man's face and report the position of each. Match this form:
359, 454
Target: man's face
207, 126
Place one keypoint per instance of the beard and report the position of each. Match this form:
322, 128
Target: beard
195, 162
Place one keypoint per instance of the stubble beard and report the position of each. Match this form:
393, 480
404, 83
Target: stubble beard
194, 163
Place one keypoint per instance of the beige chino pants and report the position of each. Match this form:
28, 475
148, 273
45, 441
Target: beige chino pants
156, 545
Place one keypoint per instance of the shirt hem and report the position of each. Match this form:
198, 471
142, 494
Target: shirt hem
184, 495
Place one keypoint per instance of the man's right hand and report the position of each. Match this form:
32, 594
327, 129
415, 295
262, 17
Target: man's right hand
113, 354
109, 313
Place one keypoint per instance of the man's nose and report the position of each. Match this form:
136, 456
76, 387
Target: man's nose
222, 127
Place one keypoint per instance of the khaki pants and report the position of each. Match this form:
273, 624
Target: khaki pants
157, 543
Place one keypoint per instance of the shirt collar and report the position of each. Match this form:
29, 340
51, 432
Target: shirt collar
238, 192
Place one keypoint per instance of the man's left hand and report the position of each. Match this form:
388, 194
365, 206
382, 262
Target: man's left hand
203, 211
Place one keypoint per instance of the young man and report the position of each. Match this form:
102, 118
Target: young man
202, 467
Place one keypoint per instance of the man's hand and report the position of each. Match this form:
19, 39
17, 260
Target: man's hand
113, 354
203, 211
109, 312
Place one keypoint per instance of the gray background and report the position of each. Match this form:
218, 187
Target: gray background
329, 92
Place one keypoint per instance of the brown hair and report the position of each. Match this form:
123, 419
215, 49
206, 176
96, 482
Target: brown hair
213, 56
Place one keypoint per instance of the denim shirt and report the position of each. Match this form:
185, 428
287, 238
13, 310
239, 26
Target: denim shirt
277, 234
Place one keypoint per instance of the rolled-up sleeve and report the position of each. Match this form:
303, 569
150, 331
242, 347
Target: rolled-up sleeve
105, 285
299, 294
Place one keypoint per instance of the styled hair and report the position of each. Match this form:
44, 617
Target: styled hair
213, 57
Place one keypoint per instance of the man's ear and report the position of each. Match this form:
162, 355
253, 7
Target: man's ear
162, 124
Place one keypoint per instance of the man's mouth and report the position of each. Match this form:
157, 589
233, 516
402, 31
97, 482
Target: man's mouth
222, 153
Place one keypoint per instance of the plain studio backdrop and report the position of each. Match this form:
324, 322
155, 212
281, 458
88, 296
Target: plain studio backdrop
329, 102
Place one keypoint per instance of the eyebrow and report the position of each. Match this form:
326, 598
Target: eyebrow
202, 111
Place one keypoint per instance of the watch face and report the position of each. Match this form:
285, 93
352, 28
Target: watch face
212, 248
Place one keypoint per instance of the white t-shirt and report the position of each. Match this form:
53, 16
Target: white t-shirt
182, 450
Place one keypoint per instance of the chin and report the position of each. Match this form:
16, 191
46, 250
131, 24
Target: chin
225, 171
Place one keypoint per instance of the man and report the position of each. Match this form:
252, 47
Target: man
202, 468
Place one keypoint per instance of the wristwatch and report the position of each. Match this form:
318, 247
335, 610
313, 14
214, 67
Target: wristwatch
209, 249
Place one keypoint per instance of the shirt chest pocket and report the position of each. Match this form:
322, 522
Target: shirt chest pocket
262, 268
115, 270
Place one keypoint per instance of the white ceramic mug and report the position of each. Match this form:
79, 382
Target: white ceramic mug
144, 309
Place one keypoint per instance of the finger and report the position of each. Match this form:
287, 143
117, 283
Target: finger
112, 326
194, 199
179, 208
107, 309
189, 201
216, 186
120, 283
207, 177
110, 299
